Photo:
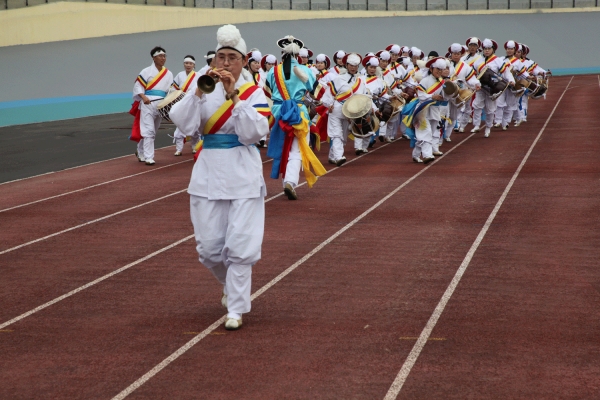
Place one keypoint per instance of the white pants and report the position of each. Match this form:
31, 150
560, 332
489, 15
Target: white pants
337, 130
463, 119
229, 235
362, 143
294, 164
424, 136
149, 124
483, 102
392, 127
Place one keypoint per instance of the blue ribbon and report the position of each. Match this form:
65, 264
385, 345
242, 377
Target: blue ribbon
289, 113
154, 92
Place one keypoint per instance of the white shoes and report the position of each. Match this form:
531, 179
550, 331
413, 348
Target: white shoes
437, 153
517, 123
417, 160
505, 128
150, 162
475, 130
177, 153
498, 125
232, 324
487, 132
461, 130
447, 139
224, 300
427, 160
140, 159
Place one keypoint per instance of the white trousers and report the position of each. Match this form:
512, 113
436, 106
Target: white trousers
229, 235
149, 124
483, 102
465, 114
294, 164
424, 136
337, 130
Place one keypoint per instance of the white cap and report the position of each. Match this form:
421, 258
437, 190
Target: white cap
473, 40
271, 59
406, 61
487, 43
416, 51
405, 49
340, 54
256, 55
395, 49
230, 36
353, 59
456, 48
373, 62
511, 44
321, 58
385, 55
303, 53
441, 64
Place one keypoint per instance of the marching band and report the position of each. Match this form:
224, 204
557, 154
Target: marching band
243, 99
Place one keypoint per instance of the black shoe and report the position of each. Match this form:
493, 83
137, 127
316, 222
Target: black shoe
381, 139
427, 160
371, 144
340, 162
358, 152
261, 144
290, 192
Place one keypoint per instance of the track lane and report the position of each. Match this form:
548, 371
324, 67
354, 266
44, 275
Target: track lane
524, 322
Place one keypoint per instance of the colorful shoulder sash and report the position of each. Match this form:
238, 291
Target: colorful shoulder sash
188, 81
154, 81
345, 95
218, 119
432, 89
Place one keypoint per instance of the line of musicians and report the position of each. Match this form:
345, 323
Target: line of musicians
241, 98
413, 96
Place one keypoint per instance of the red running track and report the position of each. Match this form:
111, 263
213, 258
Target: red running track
523, 322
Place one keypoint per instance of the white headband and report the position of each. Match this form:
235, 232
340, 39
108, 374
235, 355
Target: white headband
209, 56
187, 59
158, 53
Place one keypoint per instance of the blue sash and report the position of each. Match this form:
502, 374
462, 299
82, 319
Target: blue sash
220, 141
154, 92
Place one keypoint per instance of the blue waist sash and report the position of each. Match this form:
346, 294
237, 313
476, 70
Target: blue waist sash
154, 92
220, 141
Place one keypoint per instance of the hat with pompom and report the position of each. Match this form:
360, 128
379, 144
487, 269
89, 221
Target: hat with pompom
229, 37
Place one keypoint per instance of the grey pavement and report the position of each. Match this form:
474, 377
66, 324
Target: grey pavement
33, 149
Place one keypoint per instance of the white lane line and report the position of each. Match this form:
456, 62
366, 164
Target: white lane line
79, 166
92, 283
102, 183
126, 267
147, 376
93, 186
94, 221
89, 222
394, 390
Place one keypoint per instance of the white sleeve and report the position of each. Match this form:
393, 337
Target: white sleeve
138, 89
250, 125
327, 98
186, 115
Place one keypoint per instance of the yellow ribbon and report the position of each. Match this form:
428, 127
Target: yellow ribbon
309, 159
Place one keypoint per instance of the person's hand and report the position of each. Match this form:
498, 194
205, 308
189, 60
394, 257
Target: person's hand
228, 80
404, 95
477, 88
437, 97
145, 99
199, 92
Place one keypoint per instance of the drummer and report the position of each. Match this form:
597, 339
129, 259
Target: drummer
474, 59
459, 71
185, 80
341, 88
378, 89
483, 100
508, 102
151, 85
534, 70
